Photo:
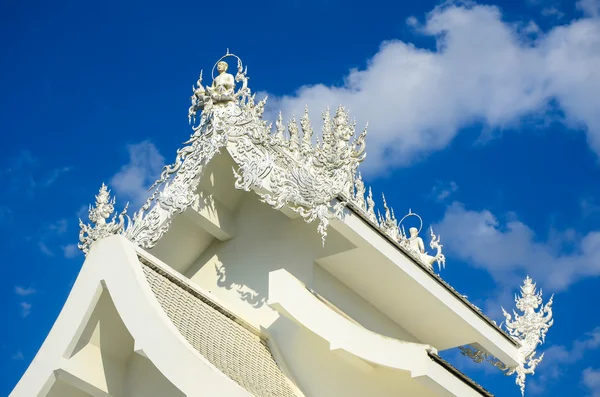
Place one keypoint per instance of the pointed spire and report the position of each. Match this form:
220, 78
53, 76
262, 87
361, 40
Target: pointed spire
359, 195
327, 133
279, 129
307, 132
371, 207
98, 215
294, 136
342, 128
387, 210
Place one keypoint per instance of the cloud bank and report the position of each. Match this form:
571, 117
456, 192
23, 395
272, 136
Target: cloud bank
558, 359
484, 70
509, 249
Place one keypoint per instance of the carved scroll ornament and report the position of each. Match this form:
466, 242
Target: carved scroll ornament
528, 328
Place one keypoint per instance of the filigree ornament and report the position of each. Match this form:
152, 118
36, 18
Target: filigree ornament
288, 170
98, 215
528, 328
307, 177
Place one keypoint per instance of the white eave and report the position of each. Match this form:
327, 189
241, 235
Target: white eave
383, 274
112, 266
360, 346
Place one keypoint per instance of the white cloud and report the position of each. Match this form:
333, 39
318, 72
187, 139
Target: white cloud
23, 174
25, 309
53, 175
44, 248
552, 12
557, 358
22, 291
134, 178
18, 356
442, 190
58, 227
511, 248
484, 70
589, 7
70, 250
591, 379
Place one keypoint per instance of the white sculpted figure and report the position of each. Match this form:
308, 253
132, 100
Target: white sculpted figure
417, 245
223, 86
416, 242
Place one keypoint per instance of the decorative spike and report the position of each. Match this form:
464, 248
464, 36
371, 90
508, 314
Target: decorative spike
371, 207
528, 328
388, 217
307, 132
359, 195
280, 129
98, 215
326, 132
294, 136
343, 129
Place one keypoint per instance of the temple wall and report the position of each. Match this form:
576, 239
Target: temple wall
356, 307
237, 270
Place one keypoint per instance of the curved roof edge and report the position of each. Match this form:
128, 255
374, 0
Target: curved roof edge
113, 265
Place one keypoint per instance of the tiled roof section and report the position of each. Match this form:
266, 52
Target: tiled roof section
230, 346
480, 389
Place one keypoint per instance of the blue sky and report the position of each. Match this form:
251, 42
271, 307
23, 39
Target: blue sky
484, 118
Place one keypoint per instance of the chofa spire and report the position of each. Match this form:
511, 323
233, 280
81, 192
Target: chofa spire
528, 328
98, 215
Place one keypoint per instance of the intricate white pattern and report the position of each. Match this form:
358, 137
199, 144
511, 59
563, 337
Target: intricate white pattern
529, 329
293, 172
289, 171
104, 208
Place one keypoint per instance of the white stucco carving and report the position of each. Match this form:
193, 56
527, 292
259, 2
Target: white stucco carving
415, 245
528, 328
102, 210
283, 169
315, 177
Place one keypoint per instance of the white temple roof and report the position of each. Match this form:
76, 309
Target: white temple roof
317, 179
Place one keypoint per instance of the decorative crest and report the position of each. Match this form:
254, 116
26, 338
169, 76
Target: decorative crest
291, 171
98, 215
318, 172
222, 90
528, 328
